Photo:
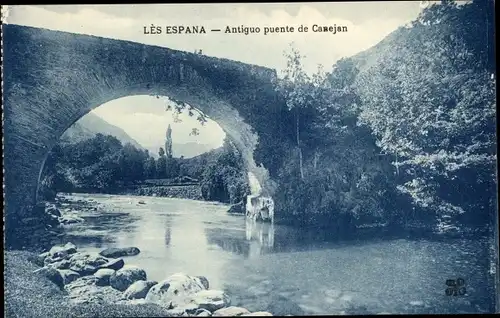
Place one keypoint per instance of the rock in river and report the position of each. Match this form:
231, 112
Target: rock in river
123, 278
115, 252
139, 289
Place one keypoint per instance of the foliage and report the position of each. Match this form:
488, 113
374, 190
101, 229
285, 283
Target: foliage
340, 180
172, 167
300, 93
99, 163
195, 166
225, 179
103, 164
430, 102
150, 168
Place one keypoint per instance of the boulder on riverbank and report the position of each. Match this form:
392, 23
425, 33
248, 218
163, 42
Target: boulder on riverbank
103, 276
68, 275
115, 252
92, 279
115, 264
257, 314
231, 311
139, 289
85, 290
86, 263
57, 256
126, 276
211, 300
173, 291
33, 295
51, 274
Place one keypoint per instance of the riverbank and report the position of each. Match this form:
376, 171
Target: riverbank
32, 295
72, 283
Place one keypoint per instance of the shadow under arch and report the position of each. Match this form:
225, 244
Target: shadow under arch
53, 78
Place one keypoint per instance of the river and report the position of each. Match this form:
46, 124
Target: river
276, 269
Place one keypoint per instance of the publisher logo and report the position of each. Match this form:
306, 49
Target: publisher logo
456, 287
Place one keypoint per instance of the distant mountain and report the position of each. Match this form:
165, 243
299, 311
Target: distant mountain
90, 125
188, 150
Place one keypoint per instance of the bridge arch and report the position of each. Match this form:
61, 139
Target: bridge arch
52, 78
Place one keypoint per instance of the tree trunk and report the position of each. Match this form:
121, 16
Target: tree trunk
316, 158
300, 149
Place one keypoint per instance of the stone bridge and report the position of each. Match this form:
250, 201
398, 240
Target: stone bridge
52, 79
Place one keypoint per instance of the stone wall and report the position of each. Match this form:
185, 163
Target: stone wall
192, 192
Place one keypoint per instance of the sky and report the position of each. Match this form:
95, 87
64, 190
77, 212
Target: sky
151, 134
367, 23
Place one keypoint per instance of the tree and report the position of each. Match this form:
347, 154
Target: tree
161, 164
172, 168
431, 103
225, 180
150, 168
100, 163
168, 143
299, 92
341, 180
131, 162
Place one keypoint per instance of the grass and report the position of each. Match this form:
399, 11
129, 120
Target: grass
32, 295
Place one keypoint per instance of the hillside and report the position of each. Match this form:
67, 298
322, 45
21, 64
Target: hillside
195, 166
90, 125
371, 57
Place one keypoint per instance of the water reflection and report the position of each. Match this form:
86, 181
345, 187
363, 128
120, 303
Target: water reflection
258, 239
168, 232
228, 240
260, 232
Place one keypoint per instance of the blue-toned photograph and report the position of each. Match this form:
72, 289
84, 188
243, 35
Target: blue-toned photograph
259, 159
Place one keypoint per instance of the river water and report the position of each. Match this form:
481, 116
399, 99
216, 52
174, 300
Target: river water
276, 268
